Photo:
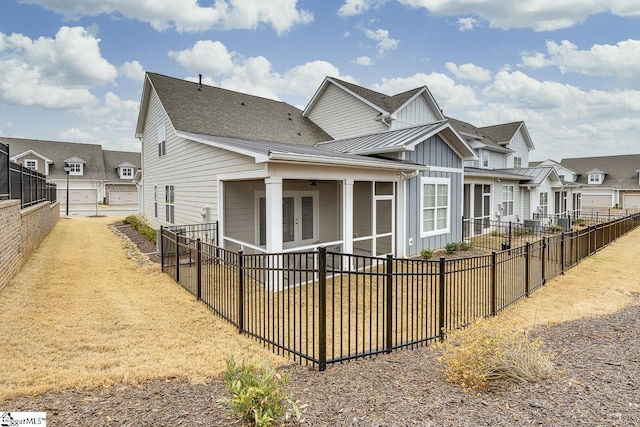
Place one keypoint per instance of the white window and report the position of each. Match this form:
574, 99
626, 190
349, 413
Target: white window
75, 168
169, 204
507, 199
126, 173
595, 178
162, 141
31, 164
155, 201
517, 162
485, 159
434, 215
544, 203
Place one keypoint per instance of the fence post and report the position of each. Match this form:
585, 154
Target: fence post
240, 291
199, 266
177, 257
442, 296
389, 299
217, 242
544, 262
162, 248
494, 285
562, 246
527, 268
510, 232
322, 309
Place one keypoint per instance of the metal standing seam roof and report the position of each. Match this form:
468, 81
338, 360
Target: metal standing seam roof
536, 175
270, 150
389, 141
221, 112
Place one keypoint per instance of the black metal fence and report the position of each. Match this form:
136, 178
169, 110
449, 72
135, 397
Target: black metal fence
324, 307
18, 182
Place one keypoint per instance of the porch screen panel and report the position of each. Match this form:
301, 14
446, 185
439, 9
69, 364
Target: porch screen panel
384, 216
307, 218
288, 219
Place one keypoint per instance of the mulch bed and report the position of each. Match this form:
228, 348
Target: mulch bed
599, 384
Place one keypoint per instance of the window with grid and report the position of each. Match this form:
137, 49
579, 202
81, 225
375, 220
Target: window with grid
75, 168
31, 164
507, 199
435, 206
544, 203
517, 162
162, 141
169, 204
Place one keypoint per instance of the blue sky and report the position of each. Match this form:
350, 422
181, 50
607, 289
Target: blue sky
73, 70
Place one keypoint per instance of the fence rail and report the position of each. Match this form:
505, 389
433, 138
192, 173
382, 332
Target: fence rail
323, 307
19, 182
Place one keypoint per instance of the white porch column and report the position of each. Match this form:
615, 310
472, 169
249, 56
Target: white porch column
347, 216
274, 214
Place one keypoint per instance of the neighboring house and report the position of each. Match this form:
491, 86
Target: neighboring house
94, 174
607, 181
357, 170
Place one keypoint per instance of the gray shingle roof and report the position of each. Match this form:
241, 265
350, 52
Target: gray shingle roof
385, 102
112, 159
622, 171
501, 133
222, 112
58, 152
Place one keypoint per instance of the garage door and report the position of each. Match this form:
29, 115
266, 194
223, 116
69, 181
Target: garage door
631, 201
77, 196
596, 201
123, 198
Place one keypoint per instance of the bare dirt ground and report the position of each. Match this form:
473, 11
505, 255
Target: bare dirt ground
590, 317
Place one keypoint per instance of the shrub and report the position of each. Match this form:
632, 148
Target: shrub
495, 233
426, 253
554, 228
488, 351
465, 245
140, 224
452, 246
259, 392
521, 231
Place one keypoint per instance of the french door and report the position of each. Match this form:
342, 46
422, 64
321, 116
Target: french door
299, 219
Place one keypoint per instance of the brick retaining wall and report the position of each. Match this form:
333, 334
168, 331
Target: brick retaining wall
21, 232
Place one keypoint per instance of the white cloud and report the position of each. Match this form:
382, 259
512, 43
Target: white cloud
466, 24
385, 42
363, 60
132, 70
254, 75
447, 93
76, 135
469, 72
540, 15
205, 57
189, 15
620, 60
53, 73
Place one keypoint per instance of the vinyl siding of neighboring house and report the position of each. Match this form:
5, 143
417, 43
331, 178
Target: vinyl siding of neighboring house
519, 147
191, 167
498, 191
343, 116
416, 112
496, 160
436, 153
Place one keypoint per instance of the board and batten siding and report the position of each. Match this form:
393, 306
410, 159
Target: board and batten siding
519, 146
417, 112
343, 116
433, 152
191, 167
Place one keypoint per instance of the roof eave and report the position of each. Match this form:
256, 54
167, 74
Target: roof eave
328, 160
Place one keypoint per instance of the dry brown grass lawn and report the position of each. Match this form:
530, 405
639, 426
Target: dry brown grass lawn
81, 314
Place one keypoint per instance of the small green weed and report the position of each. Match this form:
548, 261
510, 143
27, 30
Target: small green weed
259, 392
465, 245
452, 246
426, 253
